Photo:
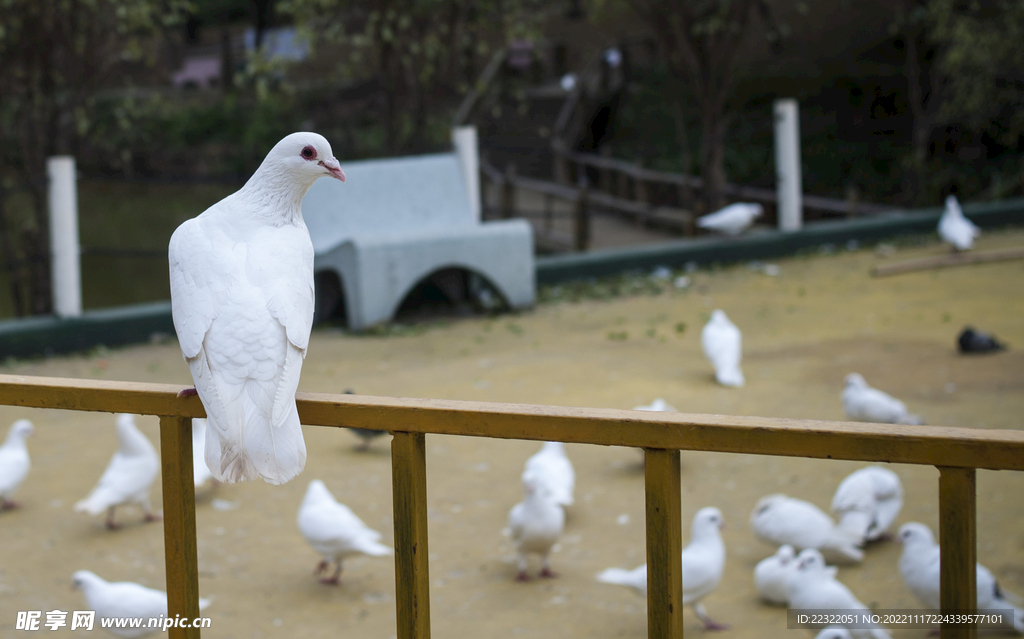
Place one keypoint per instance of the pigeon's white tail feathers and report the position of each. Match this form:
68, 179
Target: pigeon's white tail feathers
276, 453
730, 376
635, 578
857, 522
910, 420
100, 499
843, 545
372, 548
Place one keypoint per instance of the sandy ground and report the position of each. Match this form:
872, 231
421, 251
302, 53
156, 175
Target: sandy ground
804, 330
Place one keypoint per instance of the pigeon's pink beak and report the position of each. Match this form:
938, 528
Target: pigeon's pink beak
334, 168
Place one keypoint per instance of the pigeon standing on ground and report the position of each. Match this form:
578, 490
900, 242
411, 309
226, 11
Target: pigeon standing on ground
919, 567
242, 304
779, 519
365, 434
535, 524
124, 599
14, 462
867, 404
703, 563
334, 531
772, 575
972, 341
956, 229
733, 219
128, 476
723, 345
814, 586
200, 471
555, 471
868, 501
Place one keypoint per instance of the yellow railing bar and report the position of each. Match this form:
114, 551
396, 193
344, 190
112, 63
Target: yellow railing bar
957, 452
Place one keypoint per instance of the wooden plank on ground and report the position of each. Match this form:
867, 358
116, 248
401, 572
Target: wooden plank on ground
949, 259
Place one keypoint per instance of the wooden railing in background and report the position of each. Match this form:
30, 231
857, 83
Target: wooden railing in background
957, 452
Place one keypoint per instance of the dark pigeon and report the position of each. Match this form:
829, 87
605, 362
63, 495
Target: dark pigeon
972, 341
366, 434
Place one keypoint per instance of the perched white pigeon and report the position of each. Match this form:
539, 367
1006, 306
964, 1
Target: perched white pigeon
334, 531
124, 599
779, 520
554, 469
703, 564
242, 304
919, 567
956, 229
14, 462
868, 501
200, 471
814, 586
658, 406
772, 575
128, 476
834, 632
733, 219
723, 345
867, 404
535, 524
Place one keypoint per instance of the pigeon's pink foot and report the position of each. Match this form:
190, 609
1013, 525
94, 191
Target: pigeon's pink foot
320, 567
714, 625
546, 572
151, 517
9, 504
188, 392
331, 581
522, 577
111, 525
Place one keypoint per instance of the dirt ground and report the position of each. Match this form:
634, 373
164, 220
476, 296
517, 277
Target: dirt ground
822, 317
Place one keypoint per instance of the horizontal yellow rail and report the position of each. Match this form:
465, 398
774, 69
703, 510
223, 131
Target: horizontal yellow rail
955, 451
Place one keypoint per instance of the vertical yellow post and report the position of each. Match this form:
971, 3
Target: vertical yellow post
179, 491
412, 579
664, 545
958, 543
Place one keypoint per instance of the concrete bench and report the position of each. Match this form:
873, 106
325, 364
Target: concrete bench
399, 222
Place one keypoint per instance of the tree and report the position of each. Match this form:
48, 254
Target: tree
701, 42
54, 57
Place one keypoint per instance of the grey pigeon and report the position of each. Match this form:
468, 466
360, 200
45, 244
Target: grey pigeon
973, 341
365, 434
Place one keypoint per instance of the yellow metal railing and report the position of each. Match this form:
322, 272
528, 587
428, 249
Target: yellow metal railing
957, 452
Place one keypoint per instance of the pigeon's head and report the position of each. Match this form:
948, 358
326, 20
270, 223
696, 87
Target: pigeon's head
915, 533
785, 554
765, 504
951, 201
83, 579
718, 316
316, 493
125, 420
756, 210
834, 632
707, 520
810, 560
21, 429
855, 380
305, 157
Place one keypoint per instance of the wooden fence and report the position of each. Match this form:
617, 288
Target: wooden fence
957, 452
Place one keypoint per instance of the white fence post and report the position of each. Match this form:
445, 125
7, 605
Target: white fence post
789, 185
65, 271
465, 143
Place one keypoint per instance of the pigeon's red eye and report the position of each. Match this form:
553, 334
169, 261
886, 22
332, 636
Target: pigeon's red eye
309, 153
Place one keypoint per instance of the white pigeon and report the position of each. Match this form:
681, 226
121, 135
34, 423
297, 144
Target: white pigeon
772, 575
554, 469
814, 586
124, 599
535, 524
834, 632
919, 567
868, 501
779, 519
128, 476
956, 229
723, 345
334, 531
200, 471
703, 562
658, 406
14, 462
867, 404
733, 219
242, 304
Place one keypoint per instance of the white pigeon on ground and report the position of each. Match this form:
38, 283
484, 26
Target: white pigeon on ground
535, 524
733, 219
554, 469
723, 345
920, 565
864, 403
242, 304
703, 562
772, 575
834, 632
14, 462
868, 501
956, 229
124, 599
814, 586
779, 519
200, 471
334, 531
658, 406
128, 476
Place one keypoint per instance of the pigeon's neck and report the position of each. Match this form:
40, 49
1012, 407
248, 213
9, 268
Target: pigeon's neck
274, 196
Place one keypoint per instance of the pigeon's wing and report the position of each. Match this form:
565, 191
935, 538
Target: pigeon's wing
198, 276
127, 599
794, 522
701, 573
517, 521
